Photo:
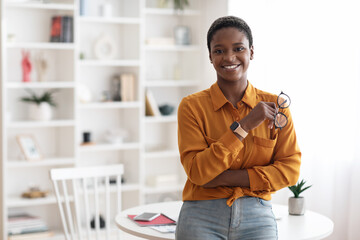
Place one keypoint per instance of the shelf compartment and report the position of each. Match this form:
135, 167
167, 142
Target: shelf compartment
121, 40
56, 61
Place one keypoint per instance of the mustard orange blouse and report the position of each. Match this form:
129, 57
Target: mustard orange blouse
208, 147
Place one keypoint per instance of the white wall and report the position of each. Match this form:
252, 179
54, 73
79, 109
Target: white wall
309, 49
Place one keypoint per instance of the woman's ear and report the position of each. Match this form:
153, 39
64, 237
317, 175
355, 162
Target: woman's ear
210, 58
252, 52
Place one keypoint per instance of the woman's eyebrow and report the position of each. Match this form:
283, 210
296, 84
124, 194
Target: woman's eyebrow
217, 45
239, 43
234, 44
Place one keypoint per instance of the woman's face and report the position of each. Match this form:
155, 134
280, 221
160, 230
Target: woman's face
230, 54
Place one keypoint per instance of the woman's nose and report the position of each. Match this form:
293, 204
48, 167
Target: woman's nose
230, 56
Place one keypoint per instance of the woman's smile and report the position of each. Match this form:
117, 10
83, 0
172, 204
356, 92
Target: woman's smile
232, 67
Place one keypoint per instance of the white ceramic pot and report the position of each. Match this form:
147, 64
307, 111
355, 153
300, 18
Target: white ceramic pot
41, 112
296, 206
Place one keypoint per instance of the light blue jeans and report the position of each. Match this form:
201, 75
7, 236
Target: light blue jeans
248, 218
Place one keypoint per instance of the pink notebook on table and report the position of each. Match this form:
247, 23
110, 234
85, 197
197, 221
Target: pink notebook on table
160, 220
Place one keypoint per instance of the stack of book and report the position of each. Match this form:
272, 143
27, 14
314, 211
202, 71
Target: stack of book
62, 29
24, 226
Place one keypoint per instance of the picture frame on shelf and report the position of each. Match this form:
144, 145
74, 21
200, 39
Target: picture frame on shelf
29, 147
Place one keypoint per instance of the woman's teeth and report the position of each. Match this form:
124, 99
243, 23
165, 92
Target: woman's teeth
231, 66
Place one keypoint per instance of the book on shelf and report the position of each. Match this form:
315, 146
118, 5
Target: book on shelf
127, 81
22, 224
61, 29
151, 107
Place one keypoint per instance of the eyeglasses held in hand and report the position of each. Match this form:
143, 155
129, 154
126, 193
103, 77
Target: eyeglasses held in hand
280, 119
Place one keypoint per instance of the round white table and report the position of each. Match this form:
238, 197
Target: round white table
310, 226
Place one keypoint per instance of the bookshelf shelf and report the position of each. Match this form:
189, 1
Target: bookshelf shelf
109, 147
34, 5
169, 12
110, 105
174, 48
56, 161
41, 124
15, 202
110, 63
112, 20
54, 84
41, 45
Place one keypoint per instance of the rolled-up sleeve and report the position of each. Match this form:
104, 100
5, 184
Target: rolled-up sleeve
285, 169
203, 161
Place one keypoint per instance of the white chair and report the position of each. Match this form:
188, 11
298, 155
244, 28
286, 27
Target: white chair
85, 193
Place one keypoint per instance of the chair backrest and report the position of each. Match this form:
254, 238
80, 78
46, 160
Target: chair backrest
83, 195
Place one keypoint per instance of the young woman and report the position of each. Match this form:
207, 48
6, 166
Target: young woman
231, 148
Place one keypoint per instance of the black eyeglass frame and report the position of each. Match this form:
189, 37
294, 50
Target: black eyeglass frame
281, 107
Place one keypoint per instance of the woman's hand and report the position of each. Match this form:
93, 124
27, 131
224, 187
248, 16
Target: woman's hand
261, 112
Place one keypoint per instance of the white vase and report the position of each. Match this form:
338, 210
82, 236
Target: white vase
41, 112
296, 206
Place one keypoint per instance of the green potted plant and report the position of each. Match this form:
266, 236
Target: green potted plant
40, 105
297, 203
178, 4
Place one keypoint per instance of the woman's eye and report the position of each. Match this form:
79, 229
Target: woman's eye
239, 49
218, 51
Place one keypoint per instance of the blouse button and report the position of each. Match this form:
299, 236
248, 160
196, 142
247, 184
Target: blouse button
238, 159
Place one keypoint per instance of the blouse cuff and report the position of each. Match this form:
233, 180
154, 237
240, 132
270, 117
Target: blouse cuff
230, 141
257, 181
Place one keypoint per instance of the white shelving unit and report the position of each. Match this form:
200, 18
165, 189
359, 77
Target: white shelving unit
30, 23
171, 72
150, 148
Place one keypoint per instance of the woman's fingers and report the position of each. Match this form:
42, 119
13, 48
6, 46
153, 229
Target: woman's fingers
262, 111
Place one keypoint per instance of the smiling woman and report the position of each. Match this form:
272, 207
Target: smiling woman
231, 177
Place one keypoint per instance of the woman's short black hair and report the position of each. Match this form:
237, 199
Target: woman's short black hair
229, 21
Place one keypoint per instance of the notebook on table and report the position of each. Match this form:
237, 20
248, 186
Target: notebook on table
159, 221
